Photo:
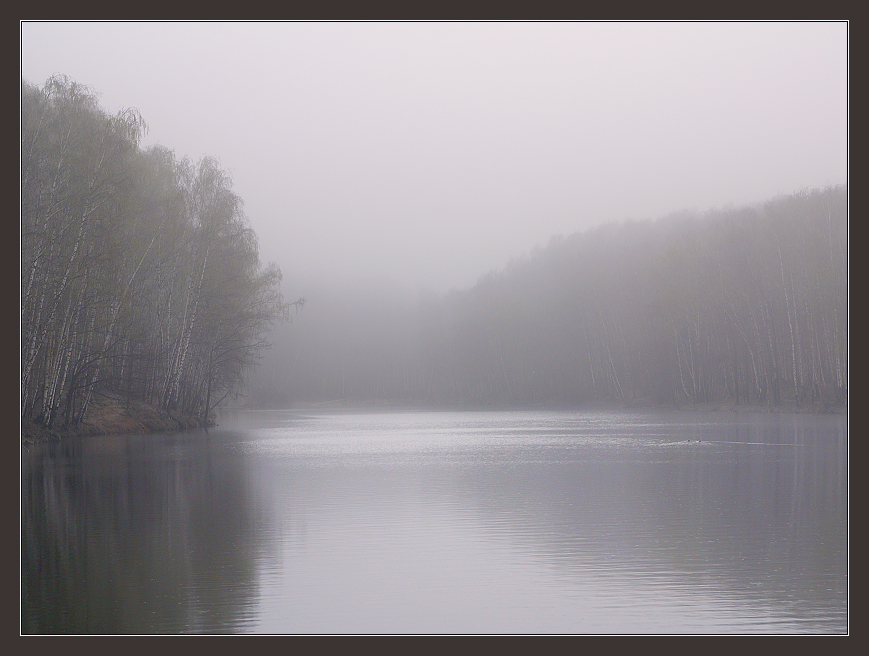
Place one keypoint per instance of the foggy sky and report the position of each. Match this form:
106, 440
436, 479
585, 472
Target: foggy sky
431, 153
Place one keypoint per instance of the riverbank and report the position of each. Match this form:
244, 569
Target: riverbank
786, 406
112, 414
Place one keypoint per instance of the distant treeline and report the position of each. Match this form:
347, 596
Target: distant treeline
139, 272
738, 306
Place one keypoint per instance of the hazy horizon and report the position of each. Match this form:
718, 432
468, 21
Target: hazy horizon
427, 154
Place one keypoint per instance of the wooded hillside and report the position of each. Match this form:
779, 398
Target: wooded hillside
734, 306
140, 274
140, 277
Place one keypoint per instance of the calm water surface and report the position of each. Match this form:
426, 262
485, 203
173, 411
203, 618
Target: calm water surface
443, 522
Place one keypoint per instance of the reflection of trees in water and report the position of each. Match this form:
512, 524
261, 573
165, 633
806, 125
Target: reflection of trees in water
164, 534
118, 539
764, 517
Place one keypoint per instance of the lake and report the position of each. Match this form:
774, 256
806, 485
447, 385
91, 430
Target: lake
530, 522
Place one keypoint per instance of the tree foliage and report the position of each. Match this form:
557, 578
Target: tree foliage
738, 306
139, 271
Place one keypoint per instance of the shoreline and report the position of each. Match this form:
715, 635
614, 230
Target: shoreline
786, 407
113, 415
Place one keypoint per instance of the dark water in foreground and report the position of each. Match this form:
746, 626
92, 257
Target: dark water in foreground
443, 522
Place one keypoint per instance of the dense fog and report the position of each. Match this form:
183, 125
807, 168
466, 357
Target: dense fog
739, 306
512, 214
428, 154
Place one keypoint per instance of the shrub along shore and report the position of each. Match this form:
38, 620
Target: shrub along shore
111, 415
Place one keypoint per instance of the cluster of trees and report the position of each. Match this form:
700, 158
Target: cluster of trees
742, 305
139, 272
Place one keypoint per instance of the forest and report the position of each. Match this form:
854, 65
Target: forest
732, 307
140, 275
141, 279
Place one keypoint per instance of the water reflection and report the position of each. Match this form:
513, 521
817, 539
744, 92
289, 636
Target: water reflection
443, 522
136, 534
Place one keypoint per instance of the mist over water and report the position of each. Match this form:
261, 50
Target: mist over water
446, 522
571, 347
